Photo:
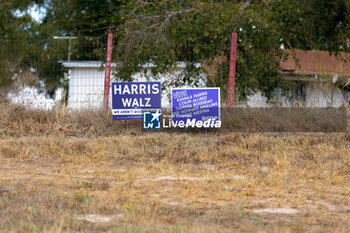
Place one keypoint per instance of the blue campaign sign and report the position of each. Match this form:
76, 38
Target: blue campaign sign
195, 103
130, 98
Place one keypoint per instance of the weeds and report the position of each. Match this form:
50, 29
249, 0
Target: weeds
166, 182
19, 121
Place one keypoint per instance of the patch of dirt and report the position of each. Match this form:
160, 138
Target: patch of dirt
95, 218
175, 178
276, 211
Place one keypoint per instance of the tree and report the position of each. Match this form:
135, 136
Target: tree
89, 20
165, 32
313, 24
15, 26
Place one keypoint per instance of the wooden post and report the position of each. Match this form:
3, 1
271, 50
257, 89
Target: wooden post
232, 74
108, 71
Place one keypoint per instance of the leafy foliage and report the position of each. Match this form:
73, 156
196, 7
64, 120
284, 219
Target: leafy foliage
193, 31
15, 25
82, 17
164, 32
313, 24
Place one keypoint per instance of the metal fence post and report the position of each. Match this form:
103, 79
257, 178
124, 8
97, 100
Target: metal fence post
108, 71
232, 74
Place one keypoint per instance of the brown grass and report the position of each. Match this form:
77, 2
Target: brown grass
18, 121
55, 170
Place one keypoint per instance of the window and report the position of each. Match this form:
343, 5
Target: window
299, 92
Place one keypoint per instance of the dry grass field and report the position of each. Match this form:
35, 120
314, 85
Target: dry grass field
68, 174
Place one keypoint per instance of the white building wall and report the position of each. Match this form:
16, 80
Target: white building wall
257, 100
86, 87
316, 96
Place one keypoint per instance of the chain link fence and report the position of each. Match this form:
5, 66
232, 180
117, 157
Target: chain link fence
70, 71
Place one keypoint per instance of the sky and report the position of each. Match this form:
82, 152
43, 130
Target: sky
37, 13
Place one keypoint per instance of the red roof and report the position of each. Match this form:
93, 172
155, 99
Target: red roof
316, 62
